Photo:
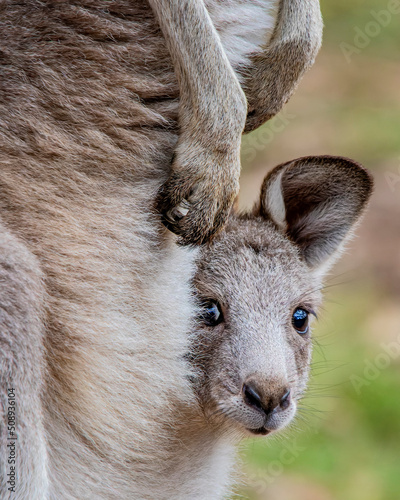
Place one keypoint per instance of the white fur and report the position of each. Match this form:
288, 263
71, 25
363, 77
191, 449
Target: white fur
244, 27
276, 204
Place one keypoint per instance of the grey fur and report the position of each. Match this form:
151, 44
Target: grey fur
273, 74
96, 301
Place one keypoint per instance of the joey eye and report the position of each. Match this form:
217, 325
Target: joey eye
212, 314
300, 321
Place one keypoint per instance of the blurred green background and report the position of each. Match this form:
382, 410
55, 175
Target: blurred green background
345, 443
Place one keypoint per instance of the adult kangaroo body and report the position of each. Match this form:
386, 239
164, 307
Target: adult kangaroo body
95, 299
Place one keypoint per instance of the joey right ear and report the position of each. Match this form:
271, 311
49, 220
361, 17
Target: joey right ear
316, 202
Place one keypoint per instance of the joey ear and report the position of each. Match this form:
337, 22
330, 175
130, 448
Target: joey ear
316, 201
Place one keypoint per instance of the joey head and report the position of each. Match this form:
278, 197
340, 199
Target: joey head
259, 287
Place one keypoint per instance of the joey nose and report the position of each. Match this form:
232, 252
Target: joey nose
285, 400
265, 398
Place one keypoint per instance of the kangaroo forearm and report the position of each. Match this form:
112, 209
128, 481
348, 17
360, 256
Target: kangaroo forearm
275, 72
299, 20
213, 106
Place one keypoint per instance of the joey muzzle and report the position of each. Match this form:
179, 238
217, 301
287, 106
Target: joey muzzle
268, 400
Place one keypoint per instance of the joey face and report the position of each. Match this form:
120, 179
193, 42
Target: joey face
258, 287
253, 340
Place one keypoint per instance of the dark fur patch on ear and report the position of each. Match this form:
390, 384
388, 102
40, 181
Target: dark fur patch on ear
316, 201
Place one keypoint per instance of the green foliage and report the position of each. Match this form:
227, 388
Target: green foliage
343, 16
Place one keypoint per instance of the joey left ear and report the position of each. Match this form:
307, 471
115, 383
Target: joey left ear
316, 201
